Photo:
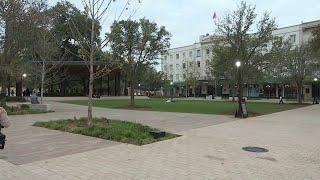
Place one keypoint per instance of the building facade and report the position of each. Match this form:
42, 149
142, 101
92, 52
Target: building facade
182, 64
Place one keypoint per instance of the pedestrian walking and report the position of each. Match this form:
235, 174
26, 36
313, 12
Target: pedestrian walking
281, 100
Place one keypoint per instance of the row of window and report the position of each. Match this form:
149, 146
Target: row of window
177, 77
184, 66
190, 54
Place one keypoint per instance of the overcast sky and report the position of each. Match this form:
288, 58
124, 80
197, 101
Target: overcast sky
188, 19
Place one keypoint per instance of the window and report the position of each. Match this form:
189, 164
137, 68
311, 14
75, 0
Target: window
190, 64
292, 38
178, 66
165, 68
171, 77
165, 57
184, 76
190, 53
184, 55
184, 65
199, 64
198, 53
171, 57
208, 51
177, 56
177, 77
171, 67
307, 90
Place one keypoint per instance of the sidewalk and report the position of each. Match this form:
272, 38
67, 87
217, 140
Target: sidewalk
27, 144
213, 152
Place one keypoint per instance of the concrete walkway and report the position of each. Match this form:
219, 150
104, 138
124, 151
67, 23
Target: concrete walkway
27, 144
207, 152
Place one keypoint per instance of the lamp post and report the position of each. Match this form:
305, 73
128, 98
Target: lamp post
24, 75
316, 91
139, 89
171, 90
239, 112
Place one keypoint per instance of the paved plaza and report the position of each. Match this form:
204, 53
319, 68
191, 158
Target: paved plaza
210, 147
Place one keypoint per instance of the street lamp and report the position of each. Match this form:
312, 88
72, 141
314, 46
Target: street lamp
239, 112
316, 91
139, 89
24, 75
171, 90
238, 64
268, 87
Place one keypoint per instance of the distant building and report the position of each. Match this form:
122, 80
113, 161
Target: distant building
179, 62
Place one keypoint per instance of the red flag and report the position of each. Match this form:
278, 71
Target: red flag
214, 15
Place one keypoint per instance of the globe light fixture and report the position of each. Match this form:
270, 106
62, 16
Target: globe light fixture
238, 64
171, 83
315, 79
24, 75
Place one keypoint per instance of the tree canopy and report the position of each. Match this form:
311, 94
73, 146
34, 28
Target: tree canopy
137, 44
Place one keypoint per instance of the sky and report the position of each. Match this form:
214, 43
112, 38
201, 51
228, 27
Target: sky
186, 20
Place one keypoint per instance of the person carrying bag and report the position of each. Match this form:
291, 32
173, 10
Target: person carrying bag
4, 123
4, 119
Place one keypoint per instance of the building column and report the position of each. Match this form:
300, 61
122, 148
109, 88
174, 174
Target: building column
277, 91
100, 89
108, 85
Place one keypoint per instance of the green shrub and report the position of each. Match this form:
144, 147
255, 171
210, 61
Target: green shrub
25, 106
122, 131
15, 99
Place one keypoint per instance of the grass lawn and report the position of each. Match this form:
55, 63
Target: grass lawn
116, 130
189, 106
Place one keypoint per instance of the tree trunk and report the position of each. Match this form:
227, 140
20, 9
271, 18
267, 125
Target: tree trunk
19, 87
239, 112
132, 103
187, 90
42, 82
91, 78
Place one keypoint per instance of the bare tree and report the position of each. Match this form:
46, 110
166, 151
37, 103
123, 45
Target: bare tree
192, 76
97, 11
47, 67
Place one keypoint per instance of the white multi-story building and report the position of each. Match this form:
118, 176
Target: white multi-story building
177, 62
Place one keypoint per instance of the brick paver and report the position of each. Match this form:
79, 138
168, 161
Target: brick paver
207, 152
27, 144
213, 152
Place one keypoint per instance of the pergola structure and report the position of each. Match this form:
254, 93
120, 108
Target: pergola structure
76, 77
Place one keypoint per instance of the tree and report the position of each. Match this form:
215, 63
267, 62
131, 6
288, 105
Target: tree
45, 55
16, 17
315, 42
90, 43
137, 44
151, 79
236, 42
12, 17
296, 63
192, 76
